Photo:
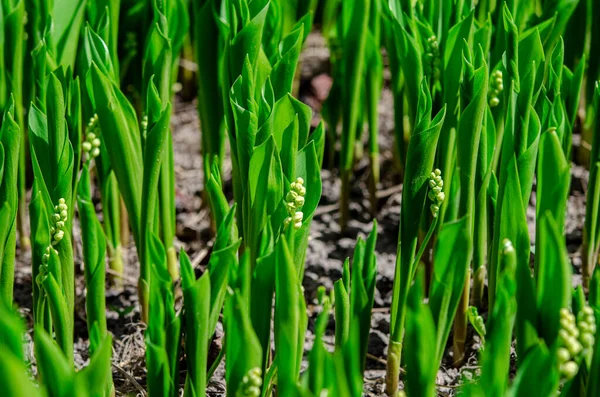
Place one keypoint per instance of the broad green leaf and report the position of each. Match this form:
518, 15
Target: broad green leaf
554, 278
120, 129
495, 358
68, 18
95, 380
284, 70
94, 255
419, 165
553, 180
538, 364
53, 367
241, 344
290, 320
451, 264
421, 343
196, 295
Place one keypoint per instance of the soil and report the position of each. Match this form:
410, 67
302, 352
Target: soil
328, 246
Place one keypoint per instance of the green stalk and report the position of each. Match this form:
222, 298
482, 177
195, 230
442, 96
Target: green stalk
52, 161
9, 147
94, 254
354, 47
111, 212
203, 302
373, 86
420, 160
481, 218
164, 43
14, 32
474, 106
592, 211
207, 51
103, 17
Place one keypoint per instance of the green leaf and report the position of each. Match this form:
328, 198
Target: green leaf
265, 192
242, 347
196, 295
10, 137
95, 380
342, 312
553, 179
120, 129
68, 18
284, 69
364, 271
554, 278
53, 367
457, 35
96, 52
419, 165
495, 359
421, 343
290, 319
94, 256
154, 148
538, 364
451, 264
15, 378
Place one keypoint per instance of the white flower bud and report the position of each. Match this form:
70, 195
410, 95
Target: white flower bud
569, 369
291, 196
59, 235
587, 340
574, 347
563, 355
298, 216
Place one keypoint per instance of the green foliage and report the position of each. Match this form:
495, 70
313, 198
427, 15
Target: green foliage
488, 99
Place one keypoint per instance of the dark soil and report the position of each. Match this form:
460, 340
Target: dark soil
328, 246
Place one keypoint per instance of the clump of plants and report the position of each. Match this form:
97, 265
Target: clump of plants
488, 97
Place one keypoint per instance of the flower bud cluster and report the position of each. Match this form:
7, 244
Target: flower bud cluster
59, 218
432, 57
586, 323
294, 201
91, 145
144, 125
436, 195
251, 383
576, 337
496, 87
